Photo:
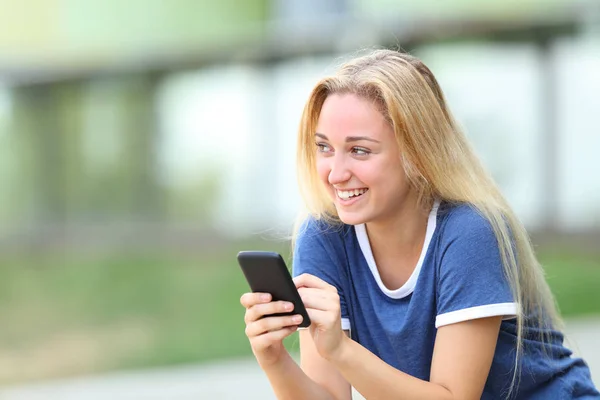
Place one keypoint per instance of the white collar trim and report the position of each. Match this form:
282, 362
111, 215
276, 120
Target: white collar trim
409, 285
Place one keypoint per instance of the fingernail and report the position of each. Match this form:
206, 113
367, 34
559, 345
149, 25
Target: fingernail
288, 306
297, 318
265, 297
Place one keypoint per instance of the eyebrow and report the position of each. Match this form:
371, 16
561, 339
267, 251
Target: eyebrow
350, 138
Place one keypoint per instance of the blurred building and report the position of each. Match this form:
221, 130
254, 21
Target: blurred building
150, 118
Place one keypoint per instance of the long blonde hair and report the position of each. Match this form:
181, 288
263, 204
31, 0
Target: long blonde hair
439, 163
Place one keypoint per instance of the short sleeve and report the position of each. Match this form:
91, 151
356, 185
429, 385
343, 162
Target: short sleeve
472, 283
315, 253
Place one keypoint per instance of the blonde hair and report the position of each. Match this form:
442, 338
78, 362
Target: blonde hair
439, 163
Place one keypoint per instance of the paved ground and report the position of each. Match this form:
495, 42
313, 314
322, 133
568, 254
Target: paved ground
236, 379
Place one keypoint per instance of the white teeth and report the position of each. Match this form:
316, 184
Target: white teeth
346, 194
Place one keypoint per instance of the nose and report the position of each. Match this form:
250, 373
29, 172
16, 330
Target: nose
339, 171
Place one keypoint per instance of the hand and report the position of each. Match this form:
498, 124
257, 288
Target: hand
266, 334
322, 303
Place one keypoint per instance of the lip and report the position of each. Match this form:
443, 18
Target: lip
350, 201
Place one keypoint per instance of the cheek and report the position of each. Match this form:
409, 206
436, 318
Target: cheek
370, 174
398, 185
389, 182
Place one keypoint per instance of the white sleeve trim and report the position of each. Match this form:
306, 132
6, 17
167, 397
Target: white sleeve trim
345, 324
507, 310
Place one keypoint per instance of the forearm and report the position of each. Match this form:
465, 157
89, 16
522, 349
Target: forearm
290, 382
375, 379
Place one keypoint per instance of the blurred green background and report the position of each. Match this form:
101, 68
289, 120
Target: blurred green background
143, 144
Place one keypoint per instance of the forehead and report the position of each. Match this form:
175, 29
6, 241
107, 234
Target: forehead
350, 115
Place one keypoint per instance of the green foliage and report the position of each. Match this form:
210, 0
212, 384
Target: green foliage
574, 280
145, 310
111, 29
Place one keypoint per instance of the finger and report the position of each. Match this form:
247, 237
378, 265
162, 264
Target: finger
250, 299
315, 293
308, 280
269, 324
269, 338
319, 299
257, 311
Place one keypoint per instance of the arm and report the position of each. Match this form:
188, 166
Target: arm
461, 362
320, 370
289, 381
266, 336
315, 254
316, 379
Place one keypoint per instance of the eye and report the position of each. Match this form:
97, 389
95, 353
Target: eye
323, 147
360, 151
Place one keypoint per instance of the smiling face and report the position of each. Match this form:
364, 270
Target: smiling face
359, 161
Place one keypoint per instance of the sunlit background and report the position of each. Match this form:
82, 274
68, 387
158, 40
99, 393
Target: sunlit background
144, 143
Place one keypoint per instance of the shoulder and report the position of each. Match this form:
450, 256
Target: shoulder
318, 226
470, 267
313, 232
463, 221
319, 248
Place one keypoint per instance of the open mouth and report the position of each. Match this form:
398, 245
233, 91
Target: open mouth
350, 194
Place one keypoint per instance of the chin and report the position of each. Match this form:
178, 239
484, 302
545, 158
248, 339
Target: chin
351, 218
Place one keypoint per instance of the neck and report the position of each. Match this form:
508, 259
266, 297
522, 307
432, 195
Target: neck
402, 234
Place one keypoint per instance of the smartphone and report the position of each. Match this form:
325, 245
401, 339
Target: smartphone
266, 272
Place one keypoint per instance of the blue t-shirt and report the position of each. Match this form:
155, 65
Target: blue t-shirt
459, 277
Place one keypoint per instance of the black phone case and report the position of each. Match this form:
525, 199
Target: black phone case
266, 272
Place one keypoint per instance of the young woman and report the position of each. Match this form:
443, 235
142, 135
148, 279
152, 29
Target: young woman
419, 280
